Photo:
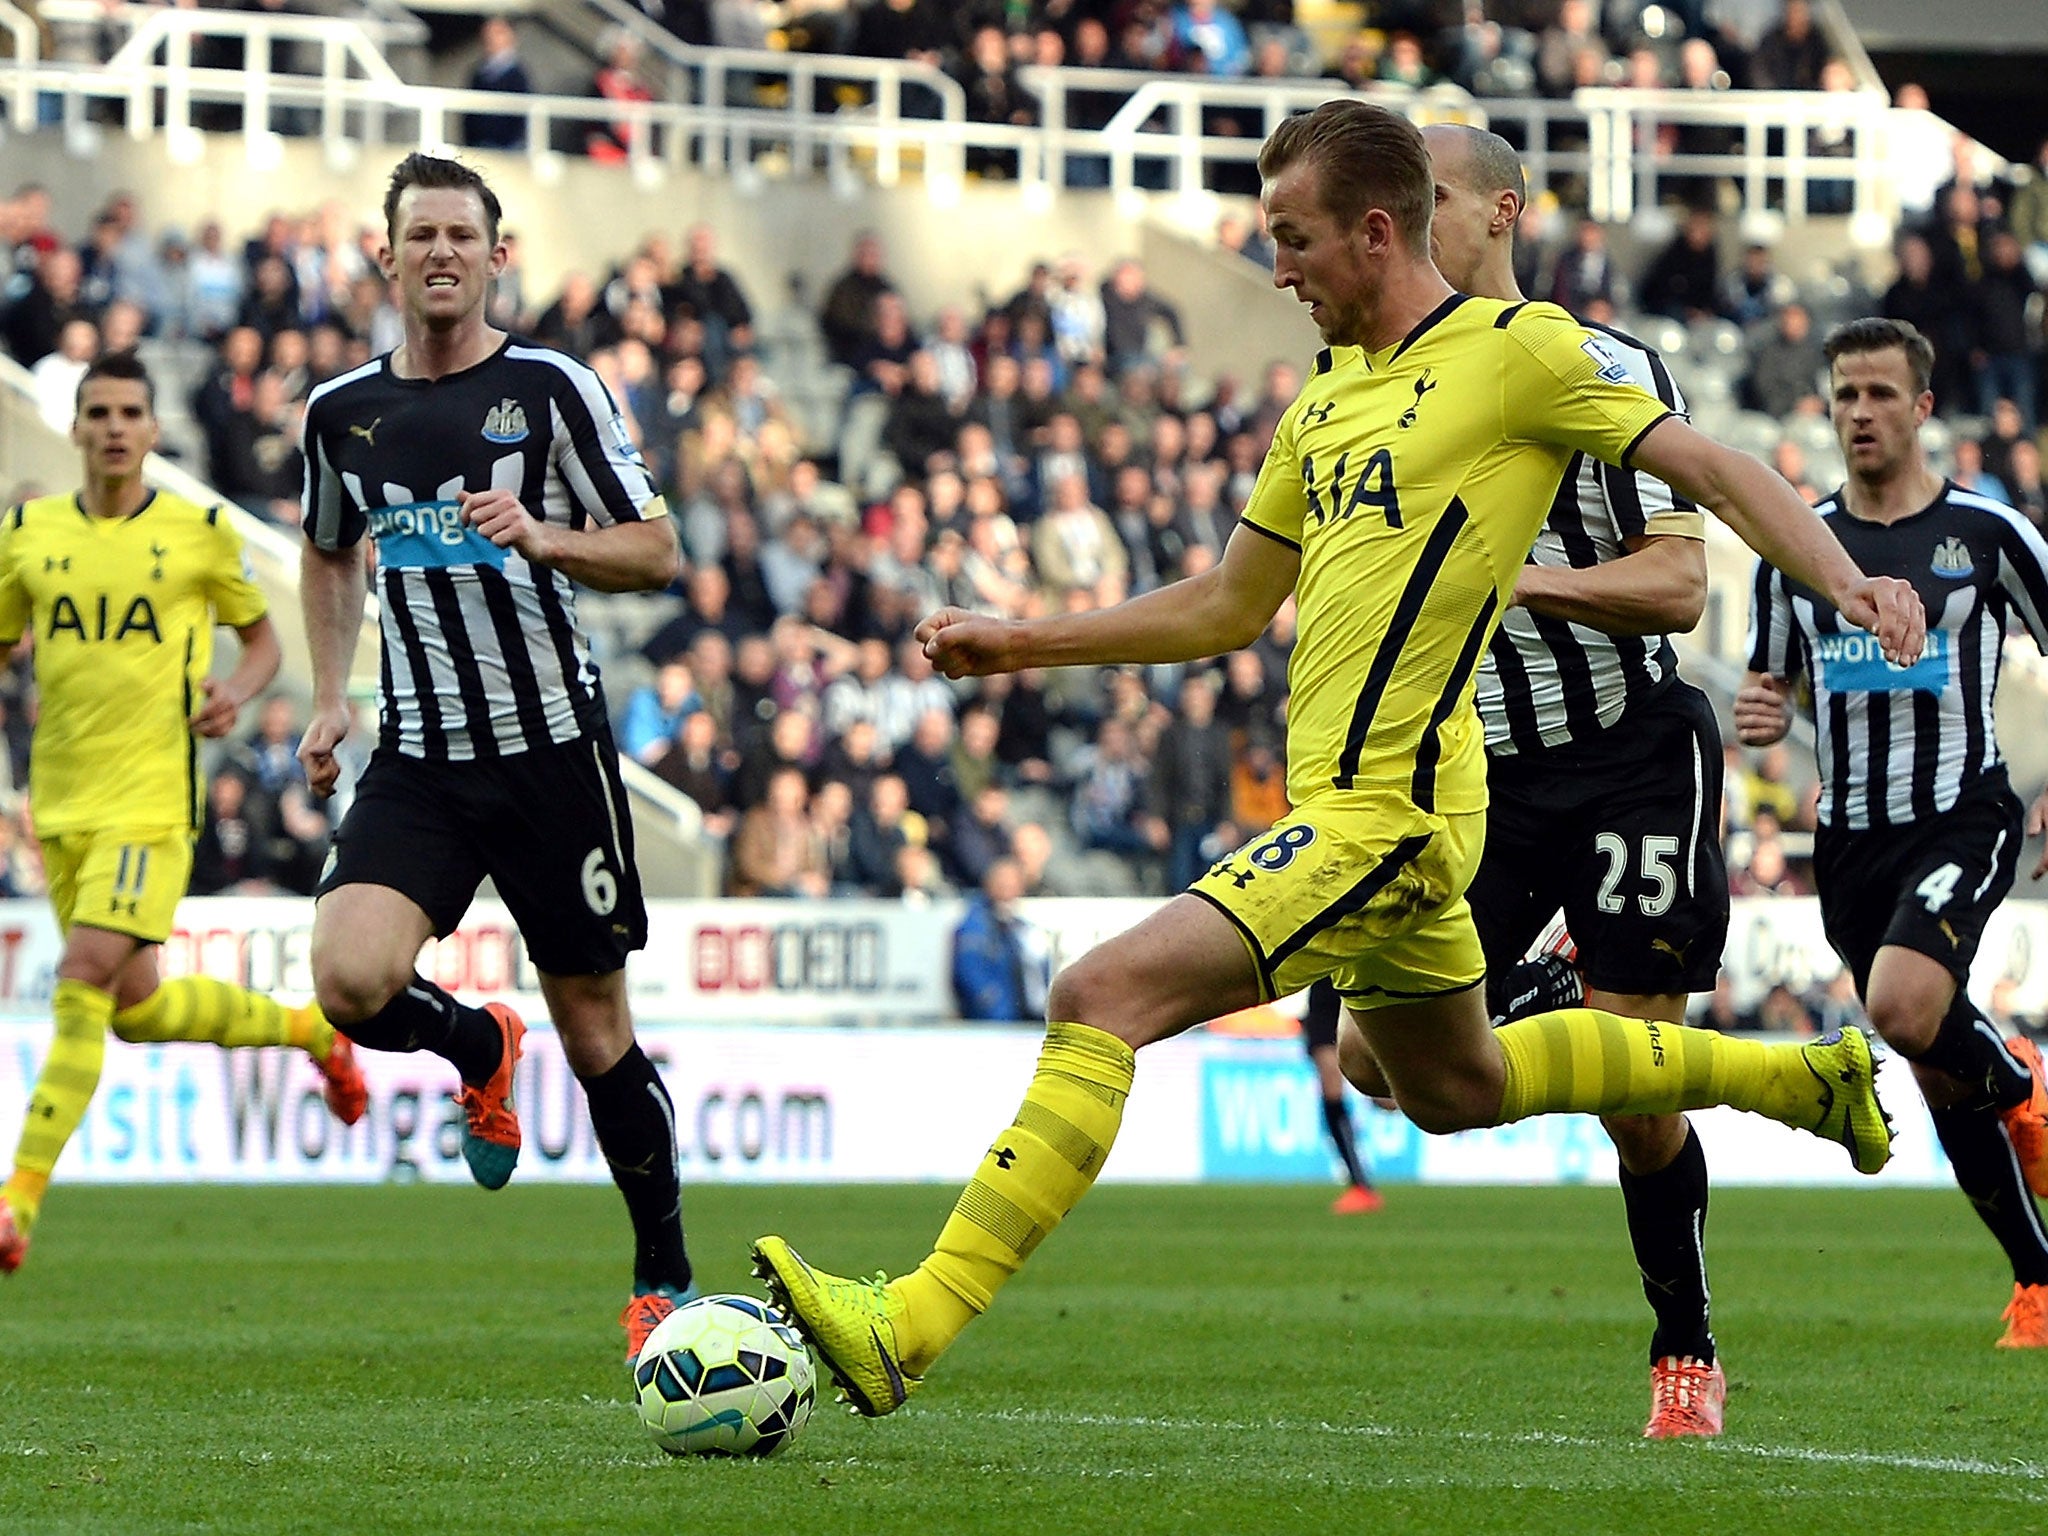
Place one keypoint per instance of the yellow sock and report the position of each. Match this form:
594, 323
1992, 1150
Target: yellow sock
200, 1008
1035, 1173
63, 1090
1581, 1060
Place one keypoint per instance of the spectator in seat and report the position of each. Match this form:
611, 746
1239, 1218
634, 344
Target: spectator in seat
975, 764
854, 758
300, 835
2003, 365
2029, 217
1791, 55
1002, 965
1258, 785
995, 96
1076, 549
1683, 282
710, 293
880, 827
977, 838
1130, 309
229, 854
58, 373
1786, 368
654, 713
922, 425
2023, 483
790, 741
848, 316
925, 764
1970, 474
1108, 800
1751, 292
1032, 847
1585, 272
832, 825
618, 80
777, 851
576, 322
32, 323
1190, 784
500, 69
696, 766
269, 756
919, 880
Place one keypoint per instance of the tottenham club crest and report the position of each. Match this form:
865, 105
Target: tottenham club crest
1952, 559
505, 422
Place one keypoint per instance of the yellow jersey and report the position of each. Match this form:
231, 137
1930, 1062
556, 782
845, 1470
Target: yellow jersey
122, 611
1413, 481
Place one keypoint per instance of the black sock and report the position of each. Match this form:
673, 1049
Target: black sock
421, 1017
1989, 1174
1667, 1224
1969, 1048
1337, 1120
636, 1129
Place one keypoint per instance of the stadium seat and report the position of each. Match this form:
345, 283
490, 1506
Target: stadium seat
1754, 433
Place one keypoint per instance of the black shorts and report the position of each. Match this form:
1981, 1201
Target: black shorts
1928, 886
550, 828
1623, 832
1319, 1018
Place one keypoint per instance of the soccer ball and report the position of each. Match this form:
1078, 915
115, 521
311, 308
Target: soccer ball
724, 1376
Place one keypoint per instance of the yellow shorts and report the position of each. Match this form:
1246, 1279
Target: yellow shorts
1362, 888
128, 881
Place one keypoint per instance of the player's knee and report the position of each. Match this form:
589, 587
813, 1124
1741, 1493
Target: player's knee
349, 993
1076, 997
1360, 1067
1907, 1024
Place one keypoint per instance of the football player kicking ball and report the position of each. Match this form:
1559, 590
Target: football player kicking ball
1919, 833
121, 585
1404, 488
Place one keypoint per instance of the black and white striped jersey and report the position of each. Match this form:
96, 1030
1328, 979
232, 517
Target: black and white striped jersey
1547, 681
1898, 743
483, 656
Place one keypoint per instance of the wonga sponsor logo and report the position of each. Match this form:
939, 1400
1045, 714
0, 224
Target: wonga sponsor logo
1854, 663
1262, 1119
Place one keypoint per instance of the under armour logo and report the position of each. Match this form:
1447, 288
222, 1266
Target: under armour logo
1315, 416
1423, 386
367, 434
52, 563
1003, 1156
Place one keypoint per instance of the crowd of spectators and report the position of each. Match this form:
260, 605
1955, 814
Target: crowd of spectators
1046, 451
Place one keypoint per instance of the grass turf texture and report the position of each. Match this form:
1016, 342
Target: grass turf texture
1226, 1359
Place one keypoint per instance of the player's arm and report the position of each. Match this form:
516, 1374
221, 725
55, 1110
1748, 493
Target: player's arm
254, 668
333, 585
1771, 519
1658, 588
1763, 704
642, 555
1224, 609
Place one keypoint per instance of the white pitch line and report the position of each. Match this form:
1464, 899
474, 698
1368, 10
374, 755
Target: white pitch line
1962, 1465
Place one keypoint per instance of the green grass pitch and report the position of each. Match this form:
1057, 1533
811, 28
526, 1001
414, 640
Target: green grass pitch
432, 1360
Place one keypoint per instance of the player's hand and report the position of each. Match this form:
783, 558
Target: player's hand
2037, 823
216, 714
324, 732
1890, 609
502, 518
1763, 712
963, 644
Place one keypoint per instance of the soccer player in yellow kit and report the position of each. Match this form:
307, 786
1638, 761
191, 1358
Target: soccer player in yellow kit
1398, 504
121, 587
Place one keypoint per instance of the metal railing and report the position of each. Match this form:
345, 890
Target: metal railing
831, 115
